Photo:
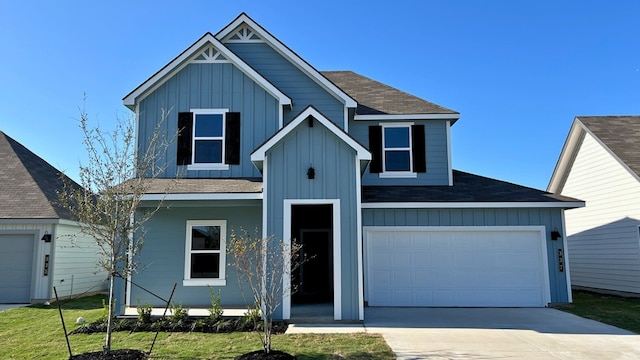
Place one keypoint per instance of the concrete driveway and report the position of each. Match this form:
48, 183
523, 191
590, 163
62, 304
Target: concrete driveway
498, 333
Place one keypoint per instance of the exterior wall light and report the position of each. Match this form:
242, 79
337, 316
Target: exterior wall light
555, 234
311, 173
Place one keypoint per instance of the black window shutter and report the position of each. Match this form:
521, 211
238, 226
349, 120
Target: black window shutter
185, 128
418, 149
232, 138
375, 146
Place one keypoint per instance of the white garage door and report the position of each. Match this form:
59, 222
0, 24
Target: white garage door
484, 266
16, 257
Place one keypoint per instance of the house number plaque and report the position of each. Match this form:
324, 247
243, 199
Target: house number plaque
46, 265
560, 261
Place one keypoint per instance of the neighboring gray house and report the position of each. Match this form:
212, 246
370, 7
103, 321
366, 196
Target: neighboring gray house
357, 171
600, 163
36, 249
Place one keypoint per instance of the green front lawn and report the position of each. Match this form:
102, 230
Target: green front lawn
613, 310
36, 332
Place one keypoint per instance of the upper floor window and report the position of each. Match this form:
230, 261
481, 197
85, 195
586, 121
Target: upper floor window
205, 253
397, 150
209, 139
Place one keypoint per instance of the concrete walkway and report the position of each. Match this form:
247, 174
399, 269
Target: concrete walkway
490, 333
4, 307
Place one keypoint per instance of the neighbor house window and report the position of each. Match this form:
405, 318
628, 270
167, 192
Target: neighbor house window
205, 253
208, 139
397, 149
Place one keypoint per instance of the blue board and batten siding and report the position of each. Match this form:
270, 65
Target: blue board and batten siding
550, 218
162, 257
210, 86
436, 154
335, 167
290, 80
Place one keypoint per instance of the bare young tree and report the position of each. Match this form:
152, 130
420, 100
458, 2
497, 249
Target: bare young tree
262, 263
114, 179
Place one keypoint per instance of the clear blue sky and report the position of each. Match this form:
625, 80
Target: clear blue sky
517, 71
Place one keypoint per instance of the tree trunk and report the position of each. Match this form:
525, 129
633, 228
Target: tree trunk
107, 346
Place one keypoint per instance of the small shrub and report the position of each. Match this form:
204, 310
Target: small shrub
105, 312
178, 313
251, 318
144, 312
216, 310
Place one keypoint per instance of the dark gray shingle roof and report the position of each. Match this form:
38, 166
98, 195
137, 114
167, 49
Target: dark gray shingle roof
466, 188
28, 184
621, 134
205, 186
376, 98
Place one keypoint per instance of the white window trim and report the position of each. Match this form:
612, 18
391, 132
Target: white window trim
221, 281
208, 166
397, 174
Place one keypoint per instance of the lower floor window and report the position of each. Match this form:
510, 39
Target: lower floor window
205, 253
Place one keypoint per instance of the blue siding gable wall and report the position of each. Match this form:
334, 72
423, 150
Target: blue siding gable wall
436, 153
290, 80
210, 86
550, 218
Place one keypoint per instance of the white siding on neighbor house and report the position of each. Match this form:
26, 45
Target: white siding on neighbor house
603, 236
75, 270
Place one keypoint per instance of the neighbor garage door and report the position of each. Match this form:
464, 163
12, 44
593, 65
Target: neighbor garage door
16, 257
487, 266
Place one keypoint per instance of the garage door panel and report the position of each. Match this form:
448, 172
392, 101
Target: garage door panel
456, 268
16, 257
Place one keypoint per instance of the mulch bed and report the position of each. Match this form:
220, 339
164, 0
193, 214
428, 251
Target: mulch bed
204, 325
121, 354
260, 354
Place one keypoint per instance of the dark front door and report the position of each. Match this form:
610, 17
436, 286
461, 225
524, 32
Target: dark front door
312, 282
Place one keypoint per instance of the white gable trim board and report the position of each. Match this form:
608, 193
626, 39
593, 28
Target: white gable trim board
289, 54
258, 156
467, 266
181, 61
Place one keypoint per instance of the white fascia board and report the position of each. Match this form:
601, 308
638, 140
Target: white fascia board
396, 117
470, 205
259, 154
565, 160
300, 63
202, 196
180, 62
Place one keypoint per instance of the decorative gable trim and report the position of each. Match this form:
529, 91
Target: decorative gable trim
258, 156
244, 21
244, 34
209, 55
192, 53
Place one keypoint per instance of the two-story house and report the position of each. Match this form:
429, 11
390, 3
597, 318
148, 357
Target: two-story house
356, 171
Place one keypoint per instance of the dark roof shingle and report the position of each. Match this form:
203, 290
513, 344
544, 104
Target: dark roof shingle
204, 186
376, 98
621, 134
466, 188
28, 184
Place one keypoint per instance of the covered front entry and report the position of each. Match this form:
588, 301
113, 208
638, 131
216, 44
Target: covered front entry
311, 227
315, 225
456, 266
16, 263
